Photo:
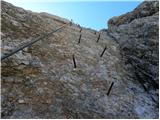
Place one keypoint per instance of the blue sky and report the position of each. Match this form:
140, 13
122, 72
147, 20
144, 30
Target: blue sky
91, 14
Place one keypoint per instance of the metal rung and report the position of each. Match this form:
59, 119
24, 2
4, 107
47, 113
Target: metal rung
80, 30
110, 88
98, 38
74, 61
103, 51
79, 39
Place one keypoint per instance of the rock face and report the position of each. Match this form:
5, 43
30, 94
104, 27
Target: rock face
138, 37
41, 81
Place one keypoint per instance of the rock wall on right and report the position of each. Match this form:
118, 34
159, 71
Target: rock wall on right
137, 33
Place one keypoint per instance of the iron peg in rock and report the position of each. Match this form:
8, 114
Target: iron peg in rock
103, 51
98, 38
80, 30
74, 61
109, 90
79, 39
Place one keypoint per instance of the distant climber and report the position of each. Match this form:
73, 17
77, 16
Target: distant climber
79, 26
71, 22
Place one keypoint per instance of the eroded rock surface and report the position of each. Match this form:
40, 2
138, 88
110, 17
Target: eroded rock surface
41, 81
138, 39
137, 34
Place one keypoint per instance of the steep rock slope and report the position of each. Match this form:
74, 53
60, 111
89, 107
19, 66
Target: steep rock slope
138, 38
41, 81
